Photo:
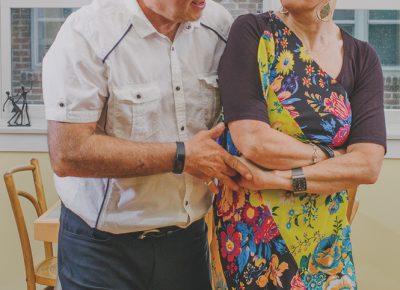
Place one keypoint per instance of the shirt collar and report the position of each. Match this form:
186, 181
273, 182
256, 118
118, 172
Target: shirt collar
143, 26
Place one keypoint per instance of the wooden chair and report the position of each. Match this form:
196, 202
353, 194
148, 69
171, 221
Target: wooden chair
45, 273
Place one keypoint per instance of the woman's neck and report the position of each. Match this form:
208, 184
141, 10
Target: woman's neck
312, 32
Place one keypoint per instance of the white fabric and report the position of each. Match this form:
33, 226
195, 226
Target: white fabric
138, 81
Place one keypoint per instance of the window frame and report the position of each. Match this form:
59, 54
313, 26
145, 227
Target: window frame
361, 25
36, 64
32, 138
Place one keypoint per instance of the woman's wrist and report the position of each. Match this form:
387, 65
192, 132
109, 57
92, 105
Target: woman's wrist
283, 179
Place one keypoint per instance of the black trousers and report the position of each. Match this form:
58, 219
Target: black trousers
92, 259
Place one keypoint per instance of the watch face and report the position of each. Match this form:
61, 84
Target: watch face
299, 184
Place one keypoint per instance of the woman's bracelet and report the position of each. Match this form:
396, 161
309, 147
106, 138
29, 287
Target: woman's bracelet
314, 154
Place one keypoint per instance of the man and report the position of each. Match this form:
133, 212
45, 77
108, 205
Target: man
130, 90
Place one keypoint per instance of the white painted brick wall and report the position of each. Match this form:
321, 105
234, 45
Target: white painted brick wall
239, 7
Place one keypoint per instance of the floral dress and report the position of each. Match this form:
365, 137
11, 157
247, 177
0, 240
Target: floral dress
273, 239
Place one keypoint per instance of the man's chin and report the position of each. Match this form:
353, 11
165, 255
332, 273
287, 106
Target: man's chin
194, 17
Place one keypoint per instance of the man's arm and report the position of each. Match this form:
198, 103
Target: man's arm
76, 150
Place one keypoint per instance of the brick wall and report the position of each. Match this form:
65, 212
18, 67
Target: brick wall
239, 7
392, 90
23, 73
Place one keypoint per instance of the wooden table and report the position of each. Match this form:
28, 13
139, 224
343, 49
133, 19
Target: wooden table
45, 227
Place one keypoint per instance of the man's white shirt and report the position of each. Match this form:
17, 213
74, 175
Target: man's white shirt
109, 65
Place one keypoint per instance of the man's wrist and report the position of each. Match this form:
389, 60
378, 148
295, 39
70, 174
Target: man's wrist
180, 157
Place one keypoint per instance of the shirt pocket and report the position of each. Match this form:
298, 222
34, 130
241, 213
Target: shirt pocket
137, 111
210, 99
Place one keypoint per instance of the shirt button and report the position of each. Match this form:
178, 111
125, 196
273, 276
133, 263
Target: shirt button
178, 88
172, 48
61, 105
138, 96
186, 203
183, 128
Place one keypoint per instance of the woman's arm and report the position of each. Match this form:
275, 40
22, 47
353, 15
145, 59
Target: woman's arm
360, 165
269, 148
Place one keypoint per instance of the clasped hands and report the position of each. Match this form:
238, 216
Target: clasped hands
207, 160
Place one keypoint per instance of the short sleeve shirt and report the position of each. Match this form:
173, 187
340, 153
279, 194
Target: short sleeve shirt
109, 65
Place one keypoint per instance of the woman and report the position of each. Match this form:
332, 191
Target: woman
304, 101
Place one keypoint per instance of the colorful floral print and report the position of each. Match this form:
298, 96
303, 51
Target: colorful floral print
285, 63
273, 239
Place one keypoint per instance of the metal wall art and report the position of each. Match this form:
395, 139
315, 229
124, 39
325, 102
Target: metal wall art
19, 111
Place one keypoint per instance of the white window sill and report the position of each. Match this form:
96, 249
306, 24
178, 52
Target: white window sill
24, 139
393, 142
34, 138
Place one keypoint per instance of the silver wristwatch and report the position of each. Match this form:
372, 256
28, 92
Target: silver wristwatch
299, 181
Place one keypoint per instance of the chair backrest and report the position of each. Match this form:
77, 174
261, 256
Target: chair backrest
39, 202
353, 204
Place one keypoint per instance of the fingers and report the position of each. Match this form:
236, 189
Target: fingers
238, 166
217, 131
228, 182
229, 171
243, 183
213, 187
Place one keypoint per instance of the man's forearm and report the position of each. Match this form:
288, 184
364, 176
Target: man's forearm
75, 150
104, 156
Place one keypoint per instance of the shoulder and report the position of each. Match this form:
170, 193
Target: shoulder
217, 17
361, 53
251, 24
100, 23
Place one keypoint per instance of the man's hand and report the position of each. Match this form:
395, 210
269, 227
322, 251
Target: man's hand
205, 159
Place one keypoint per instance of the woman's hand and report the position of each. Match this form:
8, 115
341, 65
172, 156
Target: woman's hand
262, 178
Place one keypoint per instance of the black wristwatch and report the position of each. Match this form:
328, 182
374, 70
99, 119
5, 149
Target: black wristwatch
327, 150
179, 163
299, 181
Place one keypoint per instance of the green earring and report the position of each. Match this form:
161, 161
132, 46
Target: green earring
324, 12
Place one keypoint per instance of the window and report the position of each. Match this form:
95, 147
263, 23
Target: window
381, 28
33, 30
45, 23
27, 30
346, 19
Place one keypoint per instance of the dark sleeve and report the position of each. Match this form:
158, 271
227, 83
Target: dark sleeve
238, 73
368, 124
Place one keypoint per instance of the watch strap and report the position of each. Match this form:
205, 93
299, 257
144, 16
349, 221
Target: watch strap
179, 163
327, 150
298, 172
